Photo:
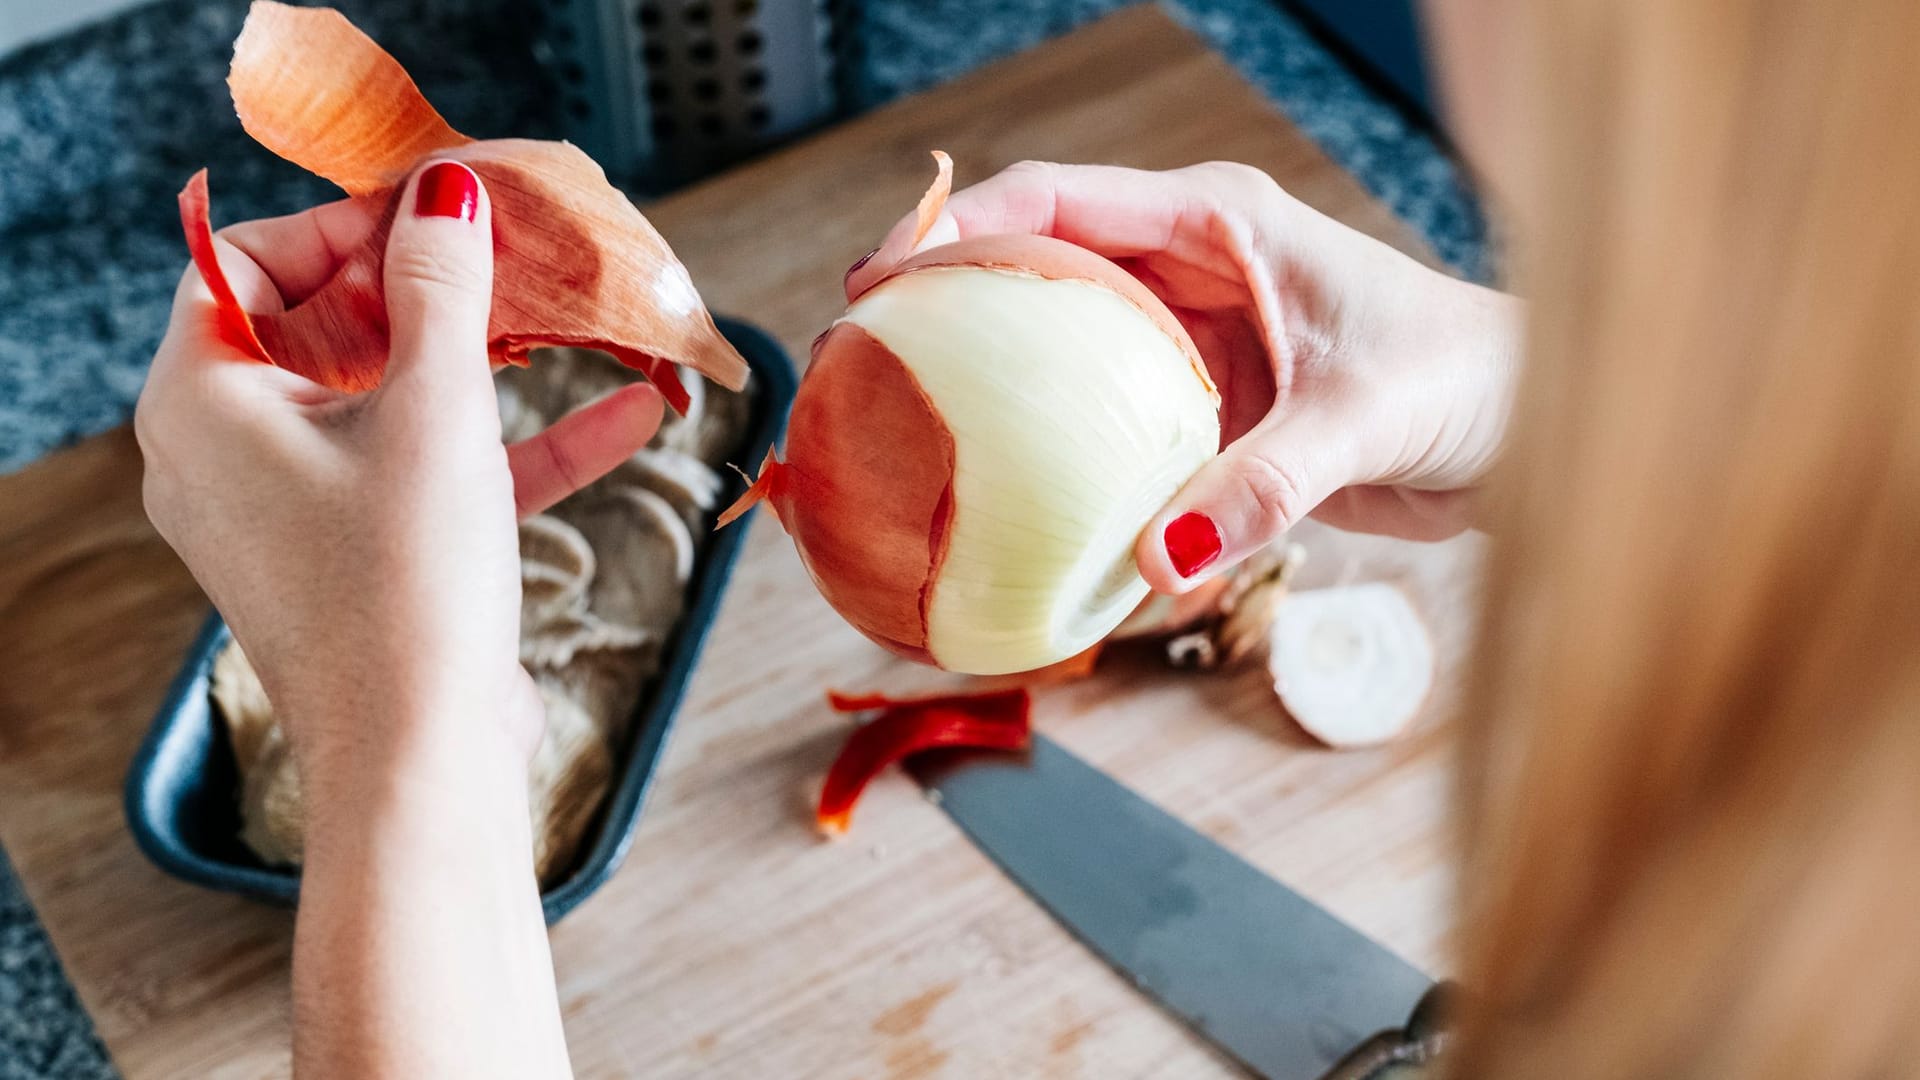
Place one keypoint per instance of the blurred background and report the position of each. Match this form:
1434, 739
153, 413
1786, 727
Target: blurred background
107, 106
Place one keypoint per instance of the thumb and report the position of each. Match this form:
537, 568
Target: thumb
1242, 500
897, 248
439, 282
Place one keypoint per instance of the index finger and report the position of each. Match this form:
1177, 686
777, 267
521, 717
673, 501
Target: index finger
1117, 212
301, 252
195, 348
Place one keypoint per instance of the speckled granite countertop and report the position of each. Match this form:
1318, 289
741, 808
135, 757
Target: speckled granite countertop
99, 129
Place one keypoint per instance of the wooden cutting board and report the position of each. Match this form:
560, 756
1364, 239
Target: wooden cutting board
735, 943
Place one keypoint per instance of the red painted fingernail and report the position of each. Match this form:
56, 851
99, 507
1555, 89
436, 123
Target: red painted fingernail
1193, 542
858, 263
447, 189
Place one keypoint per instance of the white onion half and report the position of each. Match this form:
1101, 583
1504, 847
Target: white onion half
1353, 665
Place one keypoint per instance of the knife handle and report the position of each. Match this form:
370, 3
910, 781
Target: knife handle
1404, 1053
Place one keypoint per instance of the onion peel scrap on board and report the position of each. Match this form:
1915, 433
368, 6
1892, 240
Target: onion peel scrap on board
997, 720
574, 262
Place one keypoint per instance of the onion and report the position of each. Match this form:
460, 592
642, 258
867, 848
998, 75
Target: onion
1353, 665
978, 443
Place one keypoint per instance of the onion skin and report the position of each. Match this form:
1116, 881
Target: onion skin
867, 504
574, 262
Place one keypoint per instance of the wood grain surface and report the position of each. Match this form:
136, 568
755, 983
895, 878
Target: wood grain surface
734, 943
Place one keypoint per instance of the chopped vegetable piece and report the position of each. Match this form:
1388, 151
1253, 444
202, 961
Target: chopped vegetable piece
574, 262
1353, 665
1000, 720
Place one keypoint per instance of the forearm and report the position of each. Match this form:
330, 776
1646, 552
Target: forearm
420, 950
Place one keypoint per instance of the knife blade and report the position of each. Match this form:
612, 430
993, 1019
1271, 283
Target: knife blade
1257, 969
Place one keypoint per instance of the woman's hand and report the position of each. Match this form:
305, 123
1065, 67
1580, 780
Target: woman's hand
364, 550
363, 547
1358, 386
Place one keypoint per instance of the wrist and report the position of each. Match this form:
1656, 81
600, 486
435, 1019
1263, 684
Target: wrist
415, 755
1443, 359
368, 716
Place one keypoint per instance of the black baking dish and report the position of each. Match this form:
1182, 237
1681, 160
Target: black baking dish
182, 800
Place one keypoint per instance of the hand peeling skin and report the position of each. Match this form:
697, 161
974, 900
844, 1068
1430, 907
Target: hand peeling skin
574, 262
603, 582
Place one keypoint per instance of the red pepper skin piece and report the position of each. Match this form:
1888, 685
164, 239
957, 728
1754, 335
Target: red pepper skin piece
1000, 720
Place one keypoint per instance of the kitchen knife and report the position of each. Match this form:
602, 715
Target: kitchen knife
1254, 967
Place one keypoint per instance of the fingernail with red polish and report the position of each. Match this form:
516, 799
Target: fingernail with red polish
862, 261
447, 189
1193, 542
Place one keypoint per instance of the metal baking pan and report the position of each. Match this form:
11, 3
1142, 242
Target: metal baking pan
182, 791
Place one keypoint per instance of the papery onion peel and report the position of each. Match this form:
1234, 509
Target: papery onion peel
935, 200
574, 262
979, 442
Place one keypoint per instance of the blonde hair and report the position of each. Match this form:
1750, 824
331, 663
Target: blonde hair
1690, 781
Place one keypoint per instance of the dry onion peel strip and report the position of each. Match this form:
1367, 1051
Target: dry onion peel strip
935, 199
767, 488
1000, 720
234, 327
309, 86
574, 262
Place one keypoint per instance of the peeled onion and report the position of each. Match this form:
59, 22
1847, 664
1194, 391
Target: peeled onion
978, 443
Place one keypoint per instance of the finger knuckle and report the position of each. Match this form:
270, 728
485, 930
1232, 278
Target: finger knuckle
1032, 169
561, 460
1237, 181
434, 268
1276, 492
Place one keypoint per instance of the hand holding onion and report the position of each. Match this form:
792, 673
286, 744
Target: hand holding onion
1358, 386
1009, 438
